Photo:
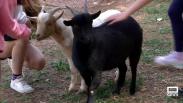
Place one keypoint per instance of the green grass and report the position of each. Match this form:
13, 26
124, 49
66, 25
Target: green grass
110, 101
169, 99
105, 91
54, 101
25, 98
139, 82
5, 85
155, 47
72, 98
40, 76
156, 44
180, 100
4, 101
165, 30
60, 66
155, 12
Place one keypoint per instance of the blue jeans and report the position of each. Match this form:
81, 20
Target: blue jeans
175, 13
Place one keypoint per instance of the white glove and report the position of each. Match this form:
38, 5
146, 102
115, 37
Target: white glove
20, 15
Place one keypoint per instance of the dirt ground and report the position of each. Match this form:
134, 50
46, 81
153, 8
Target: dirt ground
51, 84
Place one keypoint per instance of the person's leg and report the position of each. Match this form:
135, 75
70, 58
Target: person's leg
6, 53
34, 59
18, 52
175, 13
8, 46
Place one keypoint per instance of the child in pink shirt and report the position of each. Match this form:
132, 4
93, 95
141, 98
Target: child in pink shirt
9, 25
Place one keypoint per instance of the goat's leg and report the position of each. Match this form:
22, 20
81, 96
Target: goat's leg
121, 79
83, 86
88, 79
96, 80
74, 75
116, 75
134, 59
133, 81
74, 79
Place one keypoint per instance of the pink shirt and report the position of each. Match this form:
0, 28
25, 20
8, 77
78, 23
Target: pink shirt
8, 25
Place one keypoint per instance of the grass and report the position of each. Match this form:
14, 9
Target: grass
72, 97
5, 85
165, 30
153, 13
4, 101
153, 48
52, 82
60, 66
25, 98
105, 91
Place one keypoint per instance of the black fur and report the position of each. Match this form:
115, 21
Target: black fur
104, 48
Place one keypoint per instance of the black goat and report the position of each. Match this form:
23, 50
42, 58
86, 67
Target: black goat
104, 48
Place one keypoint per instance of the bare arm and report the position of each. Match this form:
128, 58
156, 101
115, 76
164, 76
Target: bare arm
138, 4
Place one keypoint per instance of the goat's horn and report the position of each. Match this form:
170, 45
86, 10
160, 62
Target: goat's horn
86, 6
74, 12
54, 10
60, 15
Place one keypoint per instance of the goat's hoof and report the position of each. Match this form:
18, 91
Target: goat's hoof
71, 89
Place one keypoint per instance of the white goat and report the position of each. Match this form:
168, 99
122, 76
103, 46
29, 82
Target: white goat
50, 25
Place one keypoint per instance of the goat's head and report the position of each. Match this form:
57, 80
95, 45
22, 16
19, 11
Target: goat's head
46, 23
83, 20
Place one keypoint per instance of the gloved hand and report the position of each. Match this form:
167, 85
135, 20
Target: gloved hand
20, 15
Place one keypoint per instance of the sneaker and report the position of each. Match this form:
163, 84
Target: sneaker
21, 86
174, 59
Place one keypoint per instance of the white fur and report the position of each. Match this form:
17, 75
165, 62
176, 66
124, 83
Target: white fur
103, 16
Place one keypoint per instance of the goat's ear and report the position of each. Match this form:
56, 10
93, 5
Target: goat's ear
94, 16
60, 15
68, 23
